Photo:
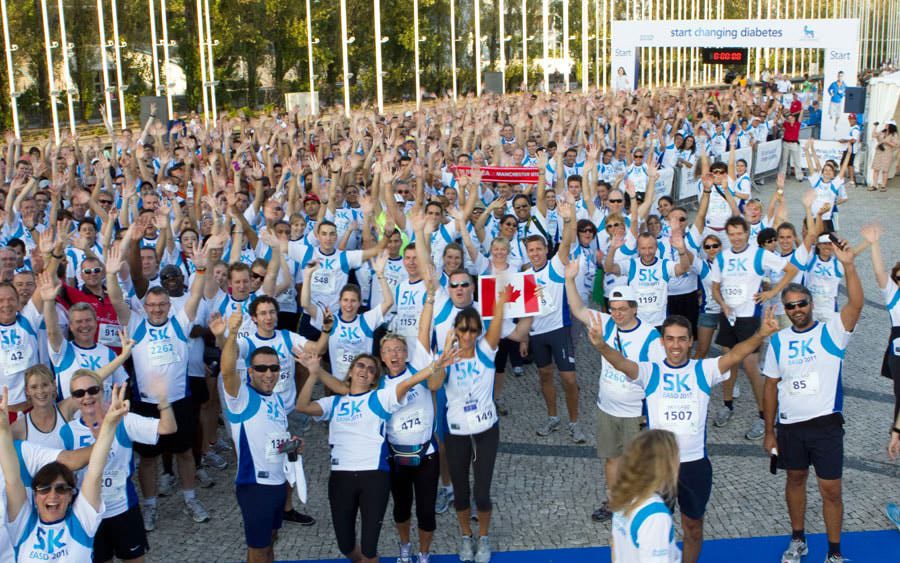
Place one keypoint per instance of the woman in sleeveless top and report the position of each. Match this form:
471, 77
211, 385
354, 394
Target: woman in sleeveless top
42, 424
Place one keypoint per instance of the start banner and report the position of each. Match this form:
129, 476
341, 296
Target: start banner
503, 174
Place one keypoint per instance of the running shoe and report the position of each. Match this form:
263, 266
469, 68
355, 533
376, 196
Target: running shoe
893, 513
736, 393
723, 415
405, 553
443, 501
466, 549
603, 513
757, 430
214, 460
194, 509
149, 513
484, 550
298, 517
423, 558
518, 371
835, 559
502, 409
795, 551
166, 485
577, 435
220, 446
204, 479
550, 426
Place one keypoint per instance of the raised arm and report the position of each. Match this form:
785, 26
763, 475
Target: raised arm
576, 305
91, 485
217, 324
113, 267
9, 463
611, 355
855, 299
872, 234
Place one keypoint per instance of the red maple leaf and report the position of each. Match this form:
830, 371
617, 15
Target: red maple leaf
512, 293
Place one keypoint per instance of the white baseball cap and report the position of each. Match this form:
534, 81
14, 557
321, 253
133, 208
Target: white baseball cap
621, 293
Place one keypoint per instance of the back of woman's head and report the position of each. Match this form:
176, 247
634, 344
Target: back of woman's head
649, 466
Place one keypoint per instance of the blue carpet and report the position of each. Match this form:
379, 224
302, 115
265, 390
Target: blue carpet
859, 547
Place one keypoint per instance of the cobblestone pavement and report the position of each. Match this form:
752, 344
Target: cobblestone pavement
546, 488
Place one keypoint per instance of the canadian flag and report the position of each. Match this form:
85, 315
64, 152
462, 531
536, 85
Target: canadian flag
522, 299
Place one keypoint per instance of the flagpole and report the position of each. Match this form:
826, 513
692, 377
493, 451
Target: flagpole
309, 52
8, 49
49, 55
202, 48
211, 72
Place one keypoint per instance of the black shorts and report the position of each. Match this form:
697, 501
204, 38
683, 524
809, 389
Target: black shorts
199, 391
554, 346
262, 508
744, 328
818, 442
507, 350
694, 487
852, 157
121, 536
183, 438
288, 320
687, 305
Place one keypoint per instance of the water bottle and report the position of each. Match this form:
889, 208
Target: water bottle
731, 317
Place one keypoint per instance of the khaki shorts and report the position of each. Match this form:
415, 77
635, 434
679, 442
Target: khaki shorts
614, 433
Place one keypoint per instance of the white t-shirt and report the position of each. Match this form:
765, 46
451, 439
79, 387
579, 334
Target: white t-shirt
70, 540
808, 366
646, 534
678, 401
349, 339
740, 274
356, 432
891, 294
19, 351
618, 395
823, 278
413, 424
160, 351
259, 426
552, 278
117, 488
470, 392
71, 357
651, 284
282, 341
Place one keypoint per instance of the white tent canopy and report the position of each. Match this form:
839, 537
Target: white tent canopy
884, 96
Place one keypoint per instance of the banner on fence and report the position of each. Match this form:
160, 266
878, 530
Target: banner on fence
825, 150
503, 174
768, 157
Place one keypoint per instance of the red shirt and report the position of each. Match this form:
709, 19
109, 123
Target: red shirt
792, 131
796, 107
106, 313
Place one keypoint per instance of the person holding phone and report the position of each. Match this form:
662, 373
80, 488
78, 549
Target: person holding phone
803, 393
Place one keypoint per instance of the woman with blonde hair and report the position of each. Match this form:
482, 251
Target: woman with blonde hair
642, 527
44, 422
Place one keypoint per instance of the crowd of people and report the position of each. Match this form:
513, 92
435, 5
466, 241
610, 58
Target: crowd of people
282, 268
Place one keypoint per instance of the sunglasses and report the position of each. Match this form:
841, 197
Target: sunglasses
711, 246
262, 368
58, 488
105, 201
256, 276
796, 305
521, 206
616, 200
508, 224
91, 270
638, 156
587, 230
681, 219
613, 225
455, 285
768, 241
465, 329
92, 390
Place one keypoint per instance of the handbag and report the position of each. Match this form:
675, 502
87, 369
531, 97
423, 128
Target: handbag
408, 456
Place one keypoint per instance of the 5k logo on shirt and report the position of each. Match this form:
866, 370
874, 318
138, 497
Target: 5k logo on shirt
157, 334
53, 541
350, 408
737, 265
89, 362
676, 382
9, 337
800, 348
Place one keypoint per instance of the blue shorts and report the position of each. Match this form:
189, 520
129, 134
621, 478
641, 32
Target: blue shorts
262, 507
694, 487
708, 320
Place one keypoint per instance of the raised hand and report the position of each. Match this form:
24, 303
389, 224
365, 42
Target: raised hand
380, 262
769, 324
217, 324
114, 260
118, 407
809, 197
49, 286
872, 232
126, 340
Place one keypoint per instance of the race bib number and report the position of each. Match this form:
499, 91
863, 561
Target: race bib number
284, 380
14, 359
612, 380
112, 487
324, 281
680, 416
407, 323
407, 424
273, 442
345, 357
546, 299
478, 416
649, 300
735, 294
801, 384
108, 334
163, 354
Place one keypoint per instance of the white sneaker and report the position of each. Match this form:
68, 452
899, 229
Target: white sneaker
757, 430
149, 514
220, 446
577, 435
203, 478
405, 553
795, 551
466, 549
166, 485
214, 460
484, 550
194, 509
550, 426
723, 415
